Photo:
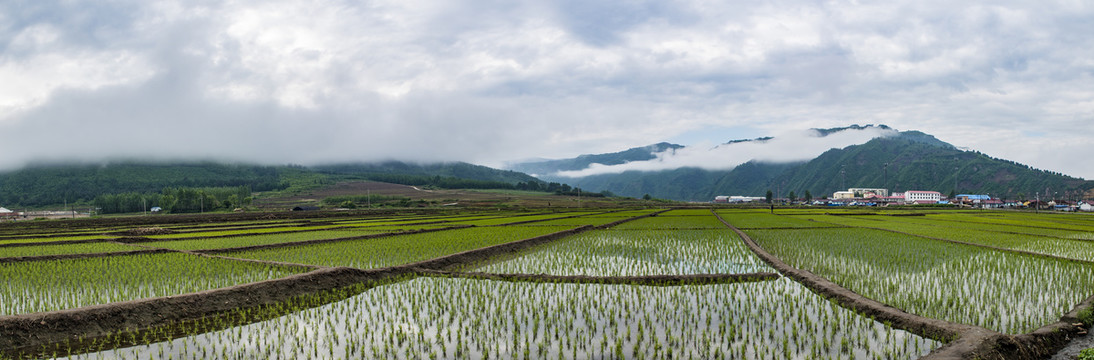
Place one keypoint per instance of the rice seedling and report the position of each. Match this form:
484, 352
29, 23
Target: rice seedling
512, 219
1006, 292
462, 318
963, 223
241, 232
581, 221
65, 284
650, 252
235, 224
64, 249
1068, 248
399, 249
24, 240
687, 212
267, 239
762, 219
1075, 222
668, 221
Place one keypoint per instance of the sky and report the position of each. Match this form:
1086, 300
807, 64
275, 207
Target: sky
490, 82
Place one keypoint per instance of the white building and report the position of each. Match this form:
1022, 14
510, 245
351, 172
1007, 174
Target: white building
843, 195
865, 192
1087, 206
736, 199
6, 214
922, 197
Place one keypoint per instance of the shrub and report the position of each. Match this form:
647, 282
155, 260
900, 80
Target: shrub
1087, 316
1087, 354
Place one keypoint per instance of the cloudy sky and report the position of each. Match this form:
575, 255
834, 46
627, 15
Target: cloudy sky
285, 81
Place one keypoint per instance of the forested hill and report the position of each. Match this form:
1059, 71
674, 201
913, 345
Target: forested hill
910, 161
634, 154
56, 184
458, 170
904, 163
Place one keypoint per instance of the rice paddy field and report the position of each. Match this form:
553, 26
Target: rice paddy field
505, 289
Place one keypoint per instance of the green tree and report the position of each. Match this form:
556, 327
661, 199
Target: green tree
808, 197
793, 196
647, 197
768, 196
347, 205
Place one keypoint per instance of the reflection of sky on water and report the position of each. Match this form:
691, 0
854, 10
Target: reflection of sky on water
457, 318
618, 253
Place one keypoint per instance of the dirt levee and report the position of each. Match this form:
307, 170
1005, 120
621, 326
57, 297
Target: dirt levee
29, 333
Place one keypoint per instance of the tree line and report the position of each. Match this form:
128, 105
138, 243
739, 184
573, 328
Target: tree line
175, 200
58, 184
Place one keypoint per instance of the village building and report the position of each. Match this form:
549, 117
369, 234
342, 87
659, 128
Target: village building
922, 197
843, 195
6, 214
736, 199
867, 192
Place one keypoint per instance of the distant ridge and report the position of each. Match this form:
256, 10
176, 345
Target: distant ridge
583, 161
57, 184
910, 160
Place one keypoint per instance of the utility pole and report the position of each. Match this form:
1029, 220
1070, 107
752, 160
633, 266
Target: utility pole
885, 183
956, 171
843, 177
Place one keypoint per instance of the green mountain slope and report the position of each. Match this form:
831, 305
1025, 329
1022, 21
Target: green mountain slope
633, 154
56, 184
47, 185
910, 161
459, 170
908, 164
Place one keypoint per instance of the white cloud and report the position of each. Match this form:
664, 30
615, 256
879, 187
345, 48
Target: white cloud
490, 81
787, 147
38, 62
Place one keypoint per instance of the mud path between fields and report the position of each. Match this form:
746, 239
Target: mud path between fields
470, 258
48, 332
126, 237
970, 342
552, 219
19, 259
119, 237
996, 248
324, 241
43, 333
137, 242
647, 280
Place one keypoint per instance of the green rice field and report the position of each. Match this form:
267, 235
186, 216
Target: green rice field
1005, 272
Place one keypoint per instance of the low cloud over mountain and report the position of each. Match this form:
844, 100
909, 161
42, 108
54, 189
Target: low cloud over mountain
791, 146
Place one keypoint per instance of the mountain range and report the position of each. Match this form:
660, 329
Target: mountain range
882, 157
55, 184
900, 160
